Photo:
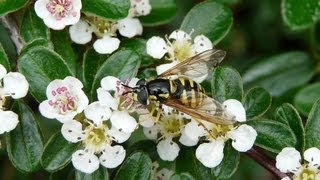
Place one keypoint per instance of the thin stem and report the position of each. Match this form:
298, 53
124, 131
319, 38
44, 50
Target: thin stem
265, 161
13, 30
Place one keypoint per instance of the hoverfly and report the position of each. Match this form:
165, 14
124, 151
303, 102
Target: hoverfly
175, 88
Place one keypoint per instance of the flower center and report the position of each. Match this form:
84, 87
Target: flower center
170, 125
102, 26
218, 130
63, 100
307, 174
96, 138
60, 8
181, 50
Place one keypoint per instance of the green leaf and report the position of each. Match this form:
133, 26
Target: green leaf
256, 102
57, 153
146, 146
4, 59
226, 84
312, 126
279, 73
136, 167
287, 114
162, 12
210, 19
148, 73
100, 174
139, 46
35, 43
32, 27
62, 45
187, 162
182, 176
24, 143
91, 63
272, 135
229, 164
306, 97
123, 64
300, 14
40, 66
106, 8
7, 6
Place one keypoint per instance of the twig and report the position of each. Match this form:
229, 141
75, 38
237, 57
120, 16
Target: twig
13, 30
265, 161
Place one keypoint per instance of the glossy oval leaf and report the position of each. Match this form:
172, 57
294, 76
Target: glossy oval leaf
187, 162
226, 83
229, 164
256, 102
299, 14
62, 45
7, 6
162, 12
306, 97
32, 27
24, 143
100, 174
123, 64
182, 176
4, 59
272, 135
279, 73
288, 115
109, 9
211, 19
312, 126
40, 66
57, 153
136, 167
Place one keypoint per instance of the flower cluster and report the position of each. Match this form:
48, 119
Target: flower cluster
289, 161
106, 29
14, 85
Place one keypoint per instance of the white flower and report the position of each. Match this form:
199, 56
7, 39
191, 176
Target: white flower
179, 47
14, 85
289, 160
167, 149
162, 174
57, 14
65, 99
139, 8
243, 136
105, 31
97, 137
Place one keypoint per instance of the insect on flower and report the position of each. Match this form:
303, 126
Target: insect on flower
175, 88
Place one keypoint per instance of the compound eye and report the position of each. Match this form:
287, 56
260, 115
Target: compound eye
141, 82
142, 97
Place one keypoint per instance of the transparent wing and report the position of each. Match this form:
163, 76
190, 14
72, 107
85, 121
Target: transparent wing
210, 110
198, 65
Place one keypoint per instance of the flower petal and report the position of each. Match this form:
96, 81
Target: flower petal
156, 47
288, 160
80, 33
40, 8
151, 132
164, 174
168, 150
179, 35
146, 120
312, 155
50, 112
201, 44
9, 121
193, 130
129, 27
118, 136
123, 121
84, 161
186, 140
235, 107
51, 22
97, 113
3, 71
72, 131
210, 154
15, 84
106, 99
163, 67
106, 45
243, 137
140, 7
110, 83
112, 156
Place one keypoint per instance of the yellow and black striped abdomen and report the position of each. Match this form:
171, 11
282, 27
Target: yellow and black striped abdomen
190, 93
